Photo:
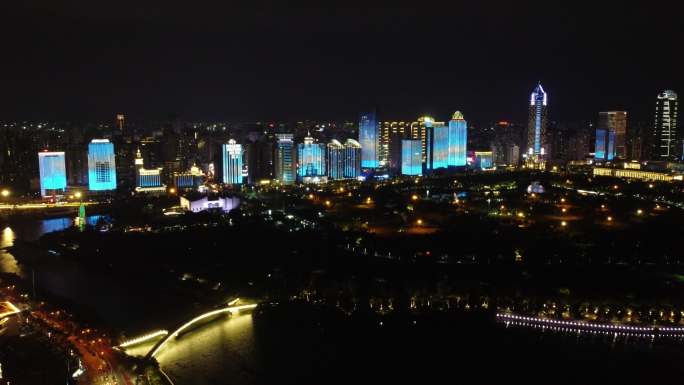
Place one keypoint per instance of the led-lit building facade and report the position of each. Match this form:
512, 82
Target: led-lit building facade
101, 165
536, 128
369, 139
190, 179
52, 169
391, 135
285, 159
335, 160
147, 180
600, 149
419, 131
484, 160
665, 127
437, 146
411, 157
232, 162
611, 129
458, 140
310, 159
352, 159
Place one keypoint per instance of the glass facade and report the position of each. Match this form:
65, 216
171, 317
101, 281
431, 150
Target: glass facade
369, 139
285, 159
600, 147
232, 162
352, 159
52, 168
458, 140
437, 146
411, 157
311, 159
101, 165
335, 160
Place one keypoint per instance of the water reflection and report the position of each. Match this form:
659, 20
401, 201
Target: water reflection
31, 231
8, 264
207, 354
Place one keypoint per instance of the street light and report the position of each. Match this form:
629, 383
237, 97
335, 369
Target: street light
414, 197
5, 193
78, 194
563, 223
419, 222
639, 212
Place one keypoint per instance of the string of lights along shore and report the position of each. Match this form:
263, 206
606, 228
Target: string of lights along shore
177, 156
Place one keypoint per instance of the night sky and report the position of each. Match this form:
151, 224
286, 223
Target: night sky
84, 60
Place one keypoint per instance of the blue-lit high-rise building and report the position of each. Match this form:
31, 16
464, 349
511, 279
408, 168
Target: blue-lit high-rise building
600, 146
437, 155
335, 160
458, 140
52, 168
352, 159
610, 131
536, 128
101, 165
232, 162
285, 159
411, 157
310, 159
369, 138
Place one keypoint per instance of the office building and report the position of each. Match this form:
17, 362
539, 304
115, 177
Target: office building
437, 141
260, 158
411, 157
611, 133
232, 162
52, 169
352, 159
285, 161
665, 135
189, 180
335, 160
536, 128
147, 180
391, 135
419, 131
101, 165
369, 139
310, 159
458, 140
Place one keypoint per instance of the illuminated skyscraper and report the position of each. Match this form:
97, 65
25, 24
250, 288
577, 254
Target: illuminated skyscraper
232, 162
285, 159
437, 146
536, 127
458, 140
419, 131
665, 128
101, 165
369, 139
391, 135
611, 128
411, 157
352, 159
335, 160
52, 170
310, 159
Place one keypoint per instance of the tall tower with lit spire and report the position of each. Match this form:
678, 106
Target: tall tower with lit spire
536, 149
